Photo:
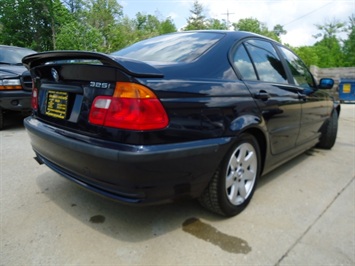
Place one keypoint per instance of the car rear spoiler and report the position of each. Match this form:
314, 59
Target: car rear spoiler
130, 66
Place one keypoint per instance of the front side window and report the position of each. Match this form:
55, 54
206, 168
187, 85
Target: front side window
267, 63
301, 76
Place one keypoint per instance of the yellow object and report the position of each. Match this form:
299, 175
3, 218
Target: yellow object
346, 88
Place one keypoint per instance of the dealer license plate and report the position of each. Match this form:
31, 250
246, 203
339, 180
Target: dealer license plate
57, 103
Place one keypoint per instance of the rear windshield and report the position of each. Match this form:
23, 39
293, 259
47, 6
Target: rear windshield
178, 47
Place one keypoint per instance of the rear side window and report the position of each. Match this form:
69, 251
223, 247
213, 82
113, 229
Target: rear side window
243, 63
178, 47
267, 63
301, 76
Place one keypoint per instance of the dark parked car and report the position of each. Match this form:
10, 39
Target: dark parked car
186, 115
15, 81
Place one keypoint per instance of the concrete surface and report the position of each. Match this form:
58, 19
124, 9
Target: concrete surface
301, 214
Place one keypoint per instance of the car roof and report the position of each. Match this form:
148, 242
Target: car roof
234, 34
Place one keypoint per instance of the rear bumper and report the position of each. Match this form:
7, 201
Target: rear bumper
15, 100
128, 173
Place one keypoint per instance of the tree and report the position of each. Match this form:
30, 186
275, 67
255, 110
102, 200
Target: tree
75, 7
197, 20
129, 31
167, 26
104, 16
32, 24
124, 34
349, 44
216, 24
308, 54
328, 49
147, 26
58, 15
279, 30
86, 37
329, 52
249, 24
329, 29
254, 25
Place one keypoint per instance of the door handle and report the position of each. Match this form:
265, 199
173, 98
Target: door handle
262, 95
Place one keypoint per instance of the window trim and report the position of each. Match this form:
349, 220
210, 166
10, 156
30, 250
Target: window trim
239, 74
278, 52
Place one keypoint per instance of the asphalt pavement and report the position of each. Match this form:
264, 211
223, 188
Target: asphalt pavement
302, 213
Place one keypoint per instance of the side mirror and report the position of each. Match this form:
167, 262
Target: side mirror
326, 83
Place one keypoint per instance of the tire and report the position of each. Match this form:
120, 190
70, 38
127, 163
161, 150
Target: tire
233, 184
329, 132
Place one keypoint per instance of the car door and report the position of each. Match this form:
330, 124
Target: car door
262, 71
316, 105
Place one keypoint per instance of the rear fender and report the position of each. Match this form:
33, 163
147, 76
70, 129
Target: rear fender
245, 121
253, 125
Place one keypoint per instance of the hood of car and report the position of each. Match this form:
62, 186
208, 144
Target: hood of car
7, 71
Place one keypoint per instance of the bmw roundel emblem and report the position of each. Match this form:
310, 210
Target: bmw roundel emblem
55, 75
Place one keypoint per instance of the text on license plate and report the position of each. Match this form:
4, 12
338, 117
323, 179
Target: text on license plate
57, 102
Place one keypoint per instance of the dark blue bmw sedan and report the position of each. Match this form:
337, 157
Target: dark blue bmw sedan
199, 114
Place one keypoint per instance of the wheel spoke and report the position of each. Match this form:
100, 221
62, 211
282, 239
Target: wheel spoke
242, 189
233, 162
230, 180
243, 153
233, 193
249, 158
249, 175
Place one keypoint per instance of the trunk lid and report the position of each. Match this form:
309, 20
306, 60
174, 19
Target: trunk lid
66, 84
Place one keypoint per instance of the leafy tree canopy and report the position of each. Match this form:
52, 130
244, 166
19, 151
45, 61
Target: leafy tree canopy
254, 25
349, 43
100, 25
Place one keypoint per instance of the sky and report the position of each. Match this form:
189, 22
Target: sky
298, 17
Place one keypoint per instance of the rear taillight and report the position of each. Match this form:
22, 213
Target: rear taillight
34, 100
132, 106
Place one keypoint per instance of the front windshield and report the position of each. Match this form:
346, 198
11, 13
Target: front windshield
13, 55
178, 47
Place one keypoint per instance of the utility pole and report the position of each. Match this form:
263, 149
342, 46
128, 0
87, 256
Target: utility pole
228, 17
